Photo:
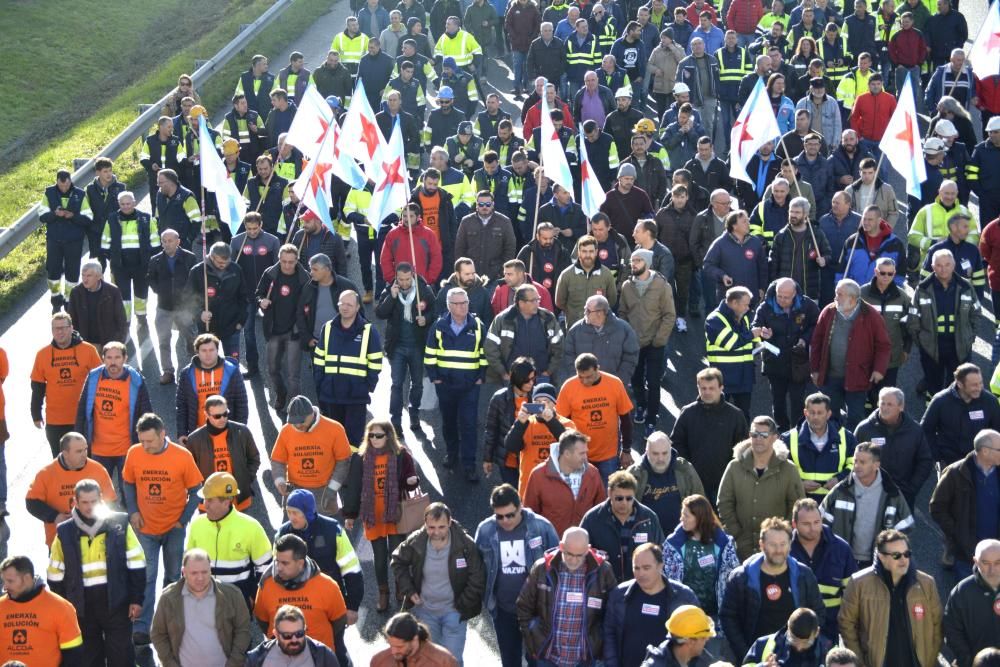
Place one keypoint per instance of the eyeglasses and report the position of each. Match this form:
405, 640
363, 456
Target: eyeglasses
896, 555
623, 499
535, 300
887, 274
760, 434
570, 554
508, 516
221, 415
377, 436
484, 204
287, 636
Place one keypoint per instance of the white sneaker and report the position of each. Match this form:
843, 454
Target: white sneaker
682, 324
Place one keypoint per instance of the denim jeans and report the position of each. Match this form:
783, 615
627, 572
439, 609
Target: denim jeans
112, 464
459, 413
914, 72
709, 296
646, 380
284, 360
509, 639
518, 60
231, 346
852, 401
727, 118
250, 337
446, 630
165, 322
3, 472
172, 544
406, 361
608, 467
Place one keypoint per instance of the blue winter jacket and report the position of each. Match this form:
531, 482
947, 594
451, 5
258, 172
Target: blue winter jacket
741, 603
862, 261
782, 650
833, 564
614, 617
836, 459
738, 376
138, 401
724, 550
540, 537
819, 174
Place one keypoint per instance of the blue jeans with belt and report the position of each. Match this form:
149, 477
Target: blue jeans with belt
172, 544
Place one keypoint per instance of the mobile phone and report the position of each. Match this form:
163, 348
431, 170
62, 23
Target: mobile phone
534, 408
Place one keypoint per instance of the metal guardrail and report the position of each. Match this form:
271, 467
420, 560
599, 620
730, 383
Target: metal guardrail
29, 222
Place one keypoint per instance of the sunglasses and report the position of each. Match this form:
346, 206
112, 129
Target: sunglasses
484, 204
623, 499
896, 555
887, 274
287, 636
760, 434
508, 516
221, 415
377, 436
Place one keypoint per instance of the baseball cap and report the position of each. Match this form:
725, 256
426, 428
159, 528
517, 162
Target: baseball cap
465, 127
299, 409
681, 88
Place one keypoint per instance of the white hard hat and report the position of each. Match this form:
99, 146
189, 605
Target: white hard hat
945, 128
994, 124
681, 88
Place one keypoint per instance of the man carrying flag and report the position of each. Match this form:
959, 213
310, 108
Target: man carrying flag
591, 191
756, 125
900, 145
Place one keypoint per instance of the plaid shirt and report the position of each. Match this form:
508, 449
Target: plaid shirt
568, 645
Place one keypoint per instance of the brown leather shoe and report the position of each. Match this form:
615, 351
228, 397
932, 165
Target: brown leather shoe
383, 599
369, 297
167, 378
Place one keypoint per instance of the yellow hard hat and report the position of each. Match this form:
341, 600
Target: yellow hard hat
645, 125
219, 485
198, 110
230, 147
687, 622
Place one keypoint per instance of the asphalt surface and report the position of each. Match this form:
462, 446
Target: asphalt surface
25, 329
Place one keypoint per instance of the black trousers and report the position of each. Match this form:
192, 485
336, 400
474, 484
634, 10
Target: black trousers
54, 433
381, 548
107, 633
62, 258
938, 374
783, 391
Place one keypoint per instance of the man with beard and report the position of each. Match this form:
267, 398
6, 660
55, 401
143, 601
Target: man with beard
477, 287
410, 643
799, 253
545, 258
290, 640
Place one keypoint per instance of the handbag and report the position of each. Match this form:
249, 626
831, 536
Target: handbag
411, 510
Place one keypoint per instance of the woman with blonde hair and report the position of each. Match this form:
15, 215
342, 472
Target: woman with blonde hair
381, 474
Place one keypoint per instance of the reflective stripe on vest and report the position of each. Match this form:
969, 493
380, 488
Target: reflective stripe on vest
346, 364
721, 350
821, 477
731, 74
463, 360
946, 324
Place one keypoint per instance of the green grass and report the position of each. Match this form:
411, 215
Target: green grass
23, 184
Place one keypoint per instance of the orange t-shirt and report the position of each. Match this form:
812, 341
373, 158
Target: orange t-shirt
4, 371
311, 456
431, 211
53, 485
537, 441
319, 598
511, 459
35, 632
112, 426
380, 529
161, 484
223, 462
595, 411
63, 372
209, 383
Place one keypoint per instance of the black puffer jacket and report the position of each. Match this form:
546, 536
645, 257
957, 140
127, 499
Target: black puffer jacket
227, 298
906, 454
169, 287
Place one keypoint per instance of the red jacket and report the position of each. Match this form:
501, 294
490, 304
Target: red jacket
988, 92
426, 246
693, 13
907, 48
534, 118
744, 15
871, 114
547, 494
989, 248
503, 298
868, 347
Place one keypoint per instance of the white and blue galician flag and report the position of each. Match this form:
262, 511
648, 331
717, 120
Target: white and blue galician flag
312, 186
900, 144
215, 178
755, 126
553, 157
985, 52
590, 188
392, 187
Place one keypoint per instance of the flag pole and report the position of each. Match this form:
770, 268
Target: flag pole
413, 261
204, 250
291, 225
854, 247
798, 189
878, 168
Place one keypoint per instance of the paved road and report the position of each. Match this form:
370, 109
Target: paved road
25, 329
